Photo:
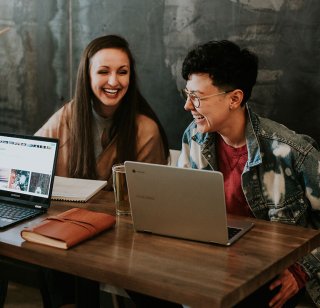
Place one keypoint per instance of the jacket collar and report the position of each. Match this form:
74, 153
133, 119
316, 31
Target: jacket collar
253, 147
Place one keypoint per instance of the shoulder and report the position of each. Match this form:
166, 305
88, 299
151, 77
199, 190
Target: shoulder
146, 125
57, 123
63, 114
275, 132
191, 135
149, 141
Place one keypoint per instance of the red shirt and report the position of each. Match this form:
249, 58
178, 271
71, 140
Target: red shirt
231, 162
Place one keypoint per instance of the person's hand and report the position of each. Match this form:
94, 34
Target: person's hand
289, 287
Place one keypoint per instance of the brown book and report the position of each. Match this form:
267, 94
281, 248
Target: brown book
68, 228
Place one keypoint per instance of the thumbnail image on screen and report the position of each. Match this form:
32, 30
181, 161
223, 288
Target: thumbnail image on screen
4, 177
19, 179
39, 183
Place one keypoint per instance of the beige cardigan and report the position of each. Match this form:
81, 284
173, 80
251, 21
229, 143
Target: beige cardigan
149, 143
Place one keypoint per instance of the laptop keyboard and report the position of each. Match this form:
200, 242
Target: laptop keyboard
232, 232
16, 212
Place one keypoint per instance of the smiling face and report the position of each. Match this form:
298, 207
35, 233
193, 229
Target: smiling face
109, 77
213, 114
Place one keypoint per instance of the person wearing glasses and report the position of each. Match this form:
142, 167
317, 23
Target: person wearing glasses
270, 172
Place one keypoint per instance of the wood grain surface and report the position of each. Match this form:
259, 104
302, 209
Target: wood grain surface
187, 272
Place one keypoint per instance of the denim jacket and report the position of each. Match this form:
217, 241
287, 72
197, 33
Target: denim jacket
280, 181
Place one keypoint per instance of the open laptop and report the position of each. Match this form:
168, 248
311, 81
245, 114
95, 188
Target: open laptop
27, 168
180, 202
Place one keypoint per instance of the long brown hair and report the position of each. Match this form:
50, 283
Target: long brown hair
83, 162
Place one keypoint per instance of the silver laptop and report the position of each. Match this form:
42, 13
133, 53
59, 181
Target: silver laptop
27, 168
179, 202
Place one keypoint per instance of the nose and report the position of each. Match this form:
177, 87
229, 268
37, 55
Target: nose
188, 106
113, 79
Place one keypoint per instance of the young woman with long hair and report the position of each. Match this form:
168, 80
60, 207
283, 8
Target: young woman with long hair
108, 121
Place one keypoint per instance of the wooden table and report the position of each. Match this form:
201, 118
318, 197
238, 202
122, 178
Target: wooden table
187, 272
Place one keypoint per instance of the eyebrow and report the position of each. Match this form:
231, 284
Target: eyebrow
106, 66
193, 91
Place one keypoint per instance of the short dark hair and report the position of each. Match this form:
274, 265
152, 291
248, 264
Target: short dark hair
228, 66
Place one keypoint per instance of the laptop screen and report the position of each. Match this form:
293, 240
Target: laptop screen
27, 166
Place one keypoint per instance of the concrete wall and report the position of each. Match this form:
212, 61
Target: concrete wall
40, 53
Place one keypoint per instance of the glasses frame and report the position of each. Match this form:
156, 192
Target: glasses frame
195, 98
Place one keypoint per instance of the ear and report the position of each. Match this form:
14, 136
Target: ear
236, 98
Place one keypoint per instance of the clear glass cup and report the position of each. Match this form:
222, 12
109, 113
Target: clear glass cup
121, 197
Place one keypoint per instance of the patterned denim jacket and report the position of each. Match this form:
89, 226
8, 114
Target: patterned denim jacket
281, 179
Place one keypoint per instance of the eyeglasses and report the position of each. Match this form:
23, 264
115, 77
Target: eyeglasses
195, 99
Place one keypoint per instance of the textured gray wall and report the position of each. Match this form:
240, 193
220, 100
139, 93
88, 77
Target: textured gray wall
32, 62
39, 55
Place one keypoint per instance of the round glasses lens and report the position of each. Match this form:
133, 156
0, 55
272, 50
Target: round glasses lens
196, 102
193, 98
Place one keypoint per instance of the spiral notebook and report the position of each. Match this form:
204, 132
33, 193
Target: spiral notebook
74, 189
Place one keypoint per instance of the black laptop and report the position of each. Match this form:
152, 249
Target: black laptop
27, 169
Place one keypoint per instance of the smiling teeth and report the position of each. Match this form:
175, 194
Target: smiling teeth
198, 117
110, 91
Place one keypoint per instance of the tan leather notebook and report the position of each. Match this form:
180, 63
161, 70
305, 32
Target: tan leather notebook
68, 228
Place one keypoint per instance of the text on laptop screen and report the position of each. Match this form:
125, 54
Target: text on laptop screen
26, 165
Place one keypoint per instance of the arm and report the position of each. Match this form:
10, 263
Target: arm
309, 170
57, 127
